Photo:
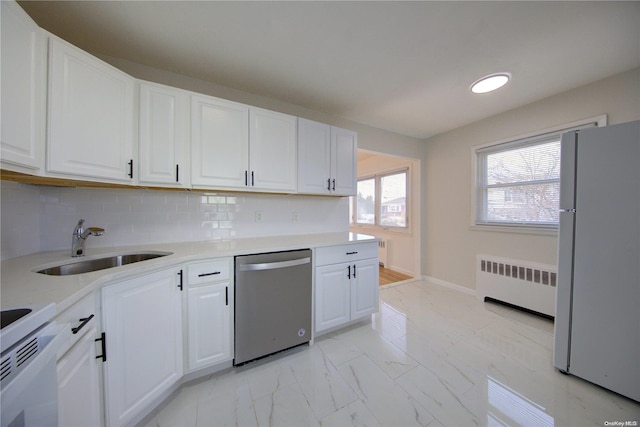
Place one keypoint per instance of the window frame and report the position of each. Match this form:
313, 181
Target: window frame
479, 186
377, 177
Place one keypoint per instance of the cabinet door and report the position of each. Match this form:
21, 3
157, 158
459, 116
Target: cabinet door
272, 150
209, 317
90, 115
164, 135
23, 78
79, 388
219, 143
332, 296
364, 288
344, 147
142, 319
314, 157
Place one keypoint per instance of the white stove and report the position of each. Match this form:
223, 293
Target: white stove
28, 383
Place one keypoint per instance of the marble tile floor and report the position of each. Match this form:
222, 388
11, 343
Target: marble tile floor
432, 356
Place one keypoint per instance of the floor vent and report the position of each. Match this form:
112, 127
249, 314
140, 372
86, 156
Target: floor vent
528, 285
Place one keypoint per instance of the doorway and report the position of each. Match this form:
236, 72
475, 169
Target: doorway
374, 211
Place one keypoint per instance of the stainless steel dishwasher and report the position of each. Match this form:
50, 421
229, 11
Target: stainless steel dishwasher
272, 303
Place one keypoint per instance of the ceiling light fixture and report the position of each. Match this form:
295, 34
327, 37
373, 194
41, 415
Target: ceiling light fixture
490, 83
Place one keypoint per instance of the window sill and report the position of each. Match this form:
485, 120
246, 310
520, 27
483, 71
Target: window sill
517, 229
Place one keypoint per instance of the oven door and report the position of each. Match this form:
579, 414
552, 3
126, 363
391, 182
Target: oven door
29, 394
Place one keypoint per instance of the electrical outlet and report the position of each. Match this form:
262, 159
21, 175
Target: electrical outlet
295, 217
258, 216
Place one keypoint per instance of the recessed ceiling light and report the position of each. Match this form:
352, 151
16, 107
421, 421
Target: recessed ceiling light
490, 83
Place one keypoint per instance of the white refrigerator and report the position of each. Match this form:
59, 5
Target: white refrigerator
597, 324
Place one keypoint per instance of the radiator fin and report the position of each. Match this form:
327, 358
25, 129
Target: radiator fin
383, 252
525, 273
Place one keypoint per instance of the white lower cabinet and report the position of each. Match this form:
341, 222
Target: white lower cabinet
142, 322
79, 367
209, 313
345, 291
79, 386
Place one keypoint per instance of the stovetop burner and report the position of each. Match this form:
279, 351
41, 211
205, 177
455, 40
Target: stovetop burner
19, 322
7, 317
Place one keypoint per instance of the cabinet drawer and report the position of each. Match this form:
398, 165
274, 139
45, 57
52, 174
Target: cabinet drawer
213, 270
346, 253
81, 318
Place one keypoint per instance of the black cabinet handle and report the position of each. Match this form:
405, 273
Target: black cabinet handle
177, 173
352, 253
334, 185
246, 177
354, 271
252, 180
349, 272
84, 321
103, 339
226, 295
329, 184
208, 274
181, 276
130, 168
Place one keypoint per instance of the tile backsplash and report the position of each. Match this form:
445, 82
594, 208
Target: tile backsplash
40, 218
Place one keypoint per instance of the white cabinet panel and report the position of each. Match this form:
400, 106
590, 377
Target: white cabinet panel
219, 143
23, 90
314, 157
332, 296
365, 285
164, 136
142, 320
327, 163
209, 318
90, 116
344, 147
79, 387
272, 150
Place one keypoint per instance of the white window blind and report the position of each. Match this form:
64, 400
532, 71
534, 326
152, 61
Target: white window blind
518, 182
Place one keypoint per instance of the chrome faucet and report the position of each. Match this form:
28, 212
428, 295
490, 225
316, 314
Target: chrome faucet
80, 235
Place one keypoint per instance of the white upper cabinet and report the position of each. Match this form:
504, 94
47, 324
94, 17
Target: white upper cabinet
23, 90
219, 143
163, 136
314, 157
344, 159
272, 151
326, 159
234, 146
91, 116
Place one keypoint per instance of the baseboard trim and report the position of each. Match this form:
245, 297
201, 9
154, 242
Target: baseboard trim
450, 285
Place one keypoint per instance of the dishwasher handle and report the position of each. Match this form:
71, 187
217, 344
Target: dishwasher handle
275, 265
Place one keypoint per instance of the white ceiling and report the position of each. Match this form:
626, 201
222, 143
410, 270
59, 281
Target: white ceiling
400, 66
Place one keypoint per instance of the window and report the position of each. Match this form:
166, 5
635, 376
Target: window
518, 182
366, 201
382, 200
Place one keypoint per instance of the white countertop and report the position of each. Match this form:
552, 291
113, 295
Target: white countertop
21, 286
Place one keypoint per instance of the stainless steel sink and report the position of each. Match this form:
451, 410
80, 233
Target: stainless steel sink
96, 264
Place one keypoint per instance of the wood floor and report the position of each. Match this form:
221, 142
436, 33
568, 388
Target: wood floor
388, 276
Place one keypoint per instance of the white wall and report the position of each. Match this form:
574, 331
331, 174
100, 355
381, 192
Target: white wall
404, 247
42, 218
449, 245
